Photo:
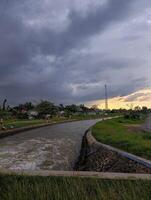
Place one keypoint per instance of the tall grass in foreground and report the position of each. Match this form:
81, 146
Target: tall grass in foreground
67, 188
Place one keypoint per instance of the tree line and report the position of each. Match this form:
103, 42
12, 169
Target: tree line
43, 109
46, 108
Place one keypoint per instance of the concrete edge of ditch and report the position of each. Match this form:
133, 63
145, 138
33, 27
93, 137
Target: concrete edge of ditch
91, 140
99, 157
7, 133
81, 174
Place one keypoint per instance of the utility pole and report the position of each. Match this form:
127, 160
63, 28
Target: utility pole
106, 98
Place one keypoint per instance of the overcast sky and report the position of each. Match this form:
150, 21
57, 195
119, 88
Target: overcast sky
66, 50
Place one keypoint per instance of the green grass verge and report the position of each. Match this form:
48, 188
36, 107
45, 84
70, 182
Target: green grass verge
22, 123
25, 122
67, 188
116, 132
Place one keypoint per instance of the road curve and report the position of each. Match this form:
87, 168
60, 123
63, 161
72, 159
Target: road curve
49, 148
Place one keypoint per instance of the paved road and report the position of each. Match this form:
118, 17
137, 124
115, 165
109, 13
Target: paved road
147, 125
50, 148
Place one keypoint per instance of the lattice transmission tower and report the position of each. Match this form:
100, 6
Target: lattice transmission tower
106, 98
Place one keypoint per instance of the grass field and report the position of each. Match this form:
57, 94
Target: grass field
66, 188
22, 123
124, 134
17, 123
25, 122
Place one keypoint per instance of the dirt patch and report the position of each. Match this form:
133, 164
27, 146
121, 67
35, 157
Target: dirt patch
136, 128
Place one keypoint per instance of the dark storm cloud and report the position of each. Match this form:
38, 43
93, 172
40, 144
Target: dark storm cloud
80, 28
38, 61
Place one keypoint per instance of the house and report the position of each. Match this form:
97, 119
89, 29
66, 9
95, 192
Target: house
32, 114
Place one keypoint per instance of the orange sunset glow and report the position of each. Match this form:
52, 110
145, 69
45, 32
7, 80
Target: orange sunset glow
139, 98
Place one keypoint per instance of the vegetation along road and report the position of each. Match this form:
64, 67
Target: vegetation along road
130, 135
50, 148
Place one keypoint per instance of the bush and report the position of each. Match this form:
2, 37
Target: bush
132, 116
5, 114
22, 115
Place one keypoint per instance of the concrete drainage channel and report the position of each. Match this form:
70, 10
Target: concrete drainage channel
100, 161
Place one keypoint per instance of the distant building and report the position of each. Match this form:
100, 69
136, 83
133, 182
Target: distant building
32, 114
61, 113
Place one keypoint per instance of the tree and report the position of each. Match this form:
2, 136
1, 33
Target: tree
144, 109
24, 107
46, 107
72, 108
95, 107
28, 106
61, 107
137, 108
84, 108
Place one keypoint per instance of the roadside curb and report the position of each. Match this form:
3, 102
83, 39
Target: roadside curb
142, 161
80, 174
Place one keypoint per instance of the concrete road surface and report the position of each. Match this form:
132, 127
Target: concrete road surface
147, 125
54, 147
